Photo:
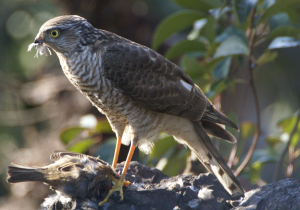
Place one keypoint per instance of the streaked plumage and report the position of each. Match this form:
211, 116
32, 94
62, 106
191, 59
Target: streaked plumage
140, 92
72, 174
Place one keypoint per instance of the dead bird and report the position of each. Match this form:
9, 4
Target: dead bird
72, 174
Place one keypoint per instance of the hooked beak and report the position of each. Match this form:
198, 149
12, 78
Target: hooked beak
38, 41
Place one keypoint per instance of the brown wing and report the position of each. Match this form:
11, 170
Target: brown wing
152, 81
58, 154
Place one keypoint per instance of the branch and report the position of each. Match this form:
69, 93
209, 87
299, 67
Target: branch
251, 66
277, 171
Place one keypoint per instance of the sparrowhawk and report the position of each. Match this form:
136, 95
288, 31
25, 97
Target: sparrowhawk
140, 92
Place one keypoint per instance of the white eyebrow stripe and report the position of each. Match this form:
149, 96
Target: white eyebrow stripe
186, 85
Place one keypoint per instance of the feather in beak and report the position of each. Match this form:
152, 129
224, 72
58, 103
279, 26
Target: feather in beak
40, 49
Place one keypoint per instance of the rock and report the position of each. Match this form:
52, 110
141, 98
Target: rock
284, 194
151, 189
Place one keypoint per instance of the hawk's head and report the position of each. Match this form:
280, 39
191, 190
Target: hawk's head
64, 34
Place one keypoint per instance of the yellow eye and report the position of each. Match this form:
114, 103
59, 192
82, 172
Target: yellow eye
54, 33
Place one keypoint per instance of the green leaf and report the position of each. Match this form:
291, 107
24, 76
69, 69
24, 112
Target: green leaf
69, 134
268, 56
211, 51
243, 8
284, 42
163, 161
296, 138
247, 129
173, 24
184, 47
202, 5
198, 25
233, 45
293, 13
219, 12
279, 6
284, 31
210, 29
287, 124
279, 19
162, 146
255, 170
272, 141
217, 87
103, 127
229, 31
209, 67
176, 161
82, 146
222, 68
192, 67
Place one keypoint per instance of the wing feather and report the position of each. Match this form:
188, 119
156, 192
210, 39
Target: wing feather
152, 81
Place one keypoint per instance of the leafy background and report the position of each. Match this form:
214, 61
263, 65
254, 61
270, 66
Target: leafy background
244, 54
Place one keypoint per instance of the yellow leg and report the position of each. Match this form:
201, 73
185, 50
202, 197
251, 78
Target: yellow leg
128, 159
117, 151
120, 183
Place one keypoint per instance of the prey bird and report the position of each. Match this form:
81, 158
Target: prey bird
140, 92
71, 174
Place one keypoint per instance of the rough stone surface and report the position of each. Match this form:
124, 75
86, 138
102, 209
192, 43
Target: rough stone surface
281, 195
150, 189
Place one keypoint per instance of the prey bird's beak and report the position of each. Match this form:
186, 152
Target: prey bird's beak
38, 41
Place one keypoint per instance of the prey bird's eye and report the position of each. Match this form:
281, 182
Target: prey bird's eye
54, 33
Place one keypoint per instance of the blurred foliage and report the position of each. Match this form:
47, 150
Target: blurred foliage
218, 39
80, 138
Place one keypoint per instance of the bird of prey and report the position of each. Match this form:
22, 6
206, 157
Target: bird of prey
140, 92
72, 174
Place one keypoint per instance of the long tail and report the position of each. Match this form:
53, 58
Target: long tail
208, 154
20, 173
211, 114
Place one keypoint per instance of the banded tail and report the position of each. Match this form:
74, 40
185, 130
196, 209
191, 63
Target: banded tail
209, 156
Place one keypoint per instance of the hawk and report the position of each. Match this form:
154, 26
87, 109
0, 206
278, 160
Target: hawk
140, 92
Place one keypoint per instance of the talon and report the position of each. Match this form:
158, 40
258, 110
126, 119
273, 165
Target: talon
121, 181
117, 187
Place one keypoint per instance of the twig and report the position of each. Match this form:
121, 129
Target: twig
277, 171
251, 66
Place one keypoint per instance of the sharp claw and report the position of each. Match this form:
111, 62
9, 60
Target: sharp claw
117, 187
121, 181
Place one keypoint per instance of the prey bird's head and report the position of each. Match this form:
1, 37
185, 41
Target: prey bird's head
64, 34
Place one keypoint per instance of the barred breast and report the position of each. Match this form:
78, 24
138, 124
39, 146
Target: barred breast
128, 119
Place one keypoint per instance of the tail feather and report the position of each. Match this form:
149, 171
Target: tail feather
213, 115
217, 131
20, 173
214, 162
